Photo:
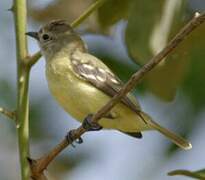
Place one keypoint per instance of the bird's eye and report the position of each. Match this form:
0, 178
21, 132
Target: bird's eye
45, 37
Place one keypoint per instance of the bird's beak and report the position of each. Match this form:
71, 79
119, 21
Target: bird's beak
33, 35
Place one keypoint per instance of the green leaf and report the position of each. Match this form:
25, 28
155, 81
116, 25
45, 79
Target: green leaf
193, 86
113, 11
200, 174
148, 31
164, 80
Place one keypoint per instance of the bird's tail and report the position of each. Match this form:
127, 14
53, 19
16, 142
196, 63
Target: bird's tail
178, 140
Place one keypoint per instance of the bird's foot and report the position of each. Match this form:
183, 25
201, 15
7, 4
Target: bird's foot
89, 125
70, 138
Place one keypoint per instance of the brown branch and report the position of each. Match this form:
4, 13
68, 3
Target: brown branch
38, 166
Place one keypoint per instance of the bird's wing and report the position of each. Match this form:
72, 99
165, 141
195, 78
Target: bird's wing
99, 75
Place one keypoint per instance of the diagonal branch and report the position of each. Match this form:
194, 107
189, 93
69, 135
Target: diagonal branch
38, 166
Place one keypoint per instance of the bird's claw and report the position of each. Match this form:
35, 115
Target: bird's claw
89, 125
70, 139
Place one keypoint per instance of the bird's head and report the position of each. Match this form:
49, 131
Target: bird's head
56, 35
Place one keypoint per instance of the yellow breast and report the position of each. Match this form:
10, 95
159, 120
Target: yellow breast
79, 98
75, 95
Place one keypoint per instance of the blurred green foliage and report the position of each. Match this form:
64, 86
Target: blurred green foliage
113, 11
193, 85
7, 94
141, 23
147, 33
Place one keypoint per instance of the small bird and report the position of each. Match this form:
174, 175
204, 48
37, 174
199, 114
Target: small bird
82, 84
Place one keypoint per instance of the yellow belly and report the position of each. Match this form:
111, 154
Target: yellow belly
79, 99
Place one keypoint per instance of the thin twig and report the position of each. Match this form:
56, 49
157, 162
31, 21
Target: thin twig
87, 13
186, 173
34, 58
31, 60
8, 113
41, 164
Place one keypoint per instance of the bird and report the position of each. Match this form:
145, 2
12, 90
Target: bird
81, 84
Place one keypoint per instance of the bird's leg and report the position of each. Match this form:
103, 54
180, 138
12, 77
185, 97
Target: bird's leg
70, 138
89, 125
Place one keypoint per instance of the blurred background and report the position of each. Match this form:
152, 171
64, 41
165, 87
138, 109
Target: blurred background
125, 35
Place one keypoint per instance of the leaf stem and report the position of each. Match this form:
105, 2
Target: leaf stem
87, 13
23, 71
